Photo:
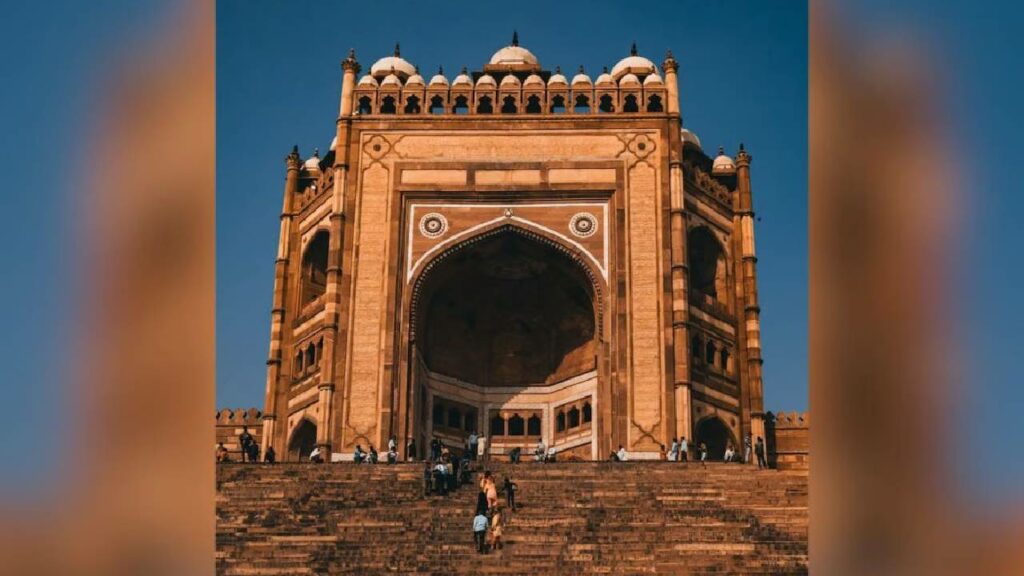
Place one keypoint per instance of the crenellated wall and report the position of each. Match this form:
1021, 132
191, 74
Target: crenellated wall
789, 441
230, 424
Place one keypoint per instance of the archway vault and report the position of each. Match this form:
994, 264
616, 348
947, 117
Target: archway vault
582, 259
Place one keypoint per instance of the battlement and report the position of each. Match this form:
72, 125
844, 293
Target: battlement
229, 426
792, 420
789, 442
239, 417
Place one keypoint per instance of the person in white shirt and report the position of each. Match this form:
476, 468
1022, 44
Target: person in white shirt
621, 454
673, 451
551, 455
471, 444
729, 453
481, 449
392, 444
684, 449
538, 454
314, 456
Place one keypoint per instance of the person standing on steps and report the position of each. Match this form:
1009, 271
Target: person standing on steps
435, 449
254, 451
480, 531
392, 444
746, 449
373, 455
410, 451
245, 439
702, 450
510, 488
222, 453
497, 527
673, 451
270, 457
621, 454
315, 456
759, 451
662, 455
471, 444
684, 449
539, 453
481, 448
729, 453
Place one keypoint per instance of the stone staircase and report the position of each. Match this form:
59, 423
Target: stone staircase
572, 518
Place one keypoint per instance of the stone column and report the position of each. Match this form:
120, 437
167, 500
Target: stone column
332, 298
270, 412
680, 273
751, 309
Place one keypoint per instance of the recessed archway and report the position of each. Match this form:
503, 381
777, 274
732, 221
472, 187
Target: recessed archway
303, 441
715, 434
507, 310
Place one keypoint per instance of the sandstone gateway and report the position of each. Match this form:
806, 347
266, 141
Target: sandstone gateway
522, 252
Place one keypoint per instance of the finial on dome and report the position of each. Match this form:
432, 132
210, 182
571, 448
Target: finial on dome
632, 50
581, 68
295, 149
668, 54
440, 70
351, 53
464, 70
416, 69
316, 152
515, 38
741, 147
721, 150
604, 69
398, 50
558, 69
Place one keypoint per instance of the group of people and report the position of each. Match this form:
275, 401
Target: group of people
680, 450
250, 449
489, 520
446, 472
373, 457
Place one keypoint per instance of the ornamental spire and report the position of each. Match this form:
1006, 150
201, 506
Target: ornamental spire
515, 38
632, 50
398, 50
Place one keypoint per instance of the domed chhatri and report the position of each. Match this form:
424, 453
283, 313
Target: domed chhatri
463, 79
723, 164
439, 78
557, 79
633, 64
581, 78
689, 138
312, 163
392, 64
513, 58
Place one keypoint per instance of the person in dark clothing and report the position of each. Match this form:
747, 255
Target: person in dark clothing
510, 488
428, 476
270, 457
759, 451
373, 455
410, 453
435, 450
254, 451
481, 502
245, 439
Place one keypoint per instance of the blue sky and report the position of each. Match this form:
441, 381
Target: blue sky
743, 78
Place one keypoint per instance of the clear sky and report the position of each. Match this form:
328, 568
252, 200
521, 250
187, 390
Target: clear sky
743, 78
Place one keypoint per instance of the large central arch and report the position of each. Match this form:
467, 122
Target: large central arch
505, 332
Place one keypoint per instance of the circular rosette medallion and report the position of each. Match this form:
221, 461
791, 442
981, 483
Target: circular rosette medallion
433, 225
583, 225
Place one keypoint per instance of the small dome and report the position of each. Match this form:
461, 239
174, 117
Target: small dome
392, 80
635, 64
439, 79
312, 163
392, 65
534, 80
486, 80
509, 80
462, 79
415, 80
514, 55
557, 78
367, 81
581, 78
629, 80
653, 79
723, 164
690, 138
605, 79
334, 143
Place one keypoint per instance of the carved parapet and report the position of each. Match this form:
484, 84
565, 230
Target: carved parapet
229, 425
788, 440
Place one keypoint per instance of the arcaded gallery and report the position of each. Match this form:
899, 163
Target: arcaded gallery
520, 252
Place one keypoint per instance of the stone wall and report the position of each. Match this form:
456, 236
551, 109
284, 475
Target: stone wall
230, 424
789, 441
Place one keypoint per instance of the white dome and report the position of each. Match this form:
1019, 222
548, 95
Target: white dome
510, 80
414, 80
439, 79
604, 79
534, 80
689, 137
653, 79
486, 80
581, 78
633, 63
629, 80
722, 164
462, 79
313, 162
392, 64
391, 80
513, 55
557, 78
367, 81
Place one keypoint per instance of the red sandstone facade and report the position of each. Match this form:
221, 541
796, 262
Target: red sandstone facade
519, 254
